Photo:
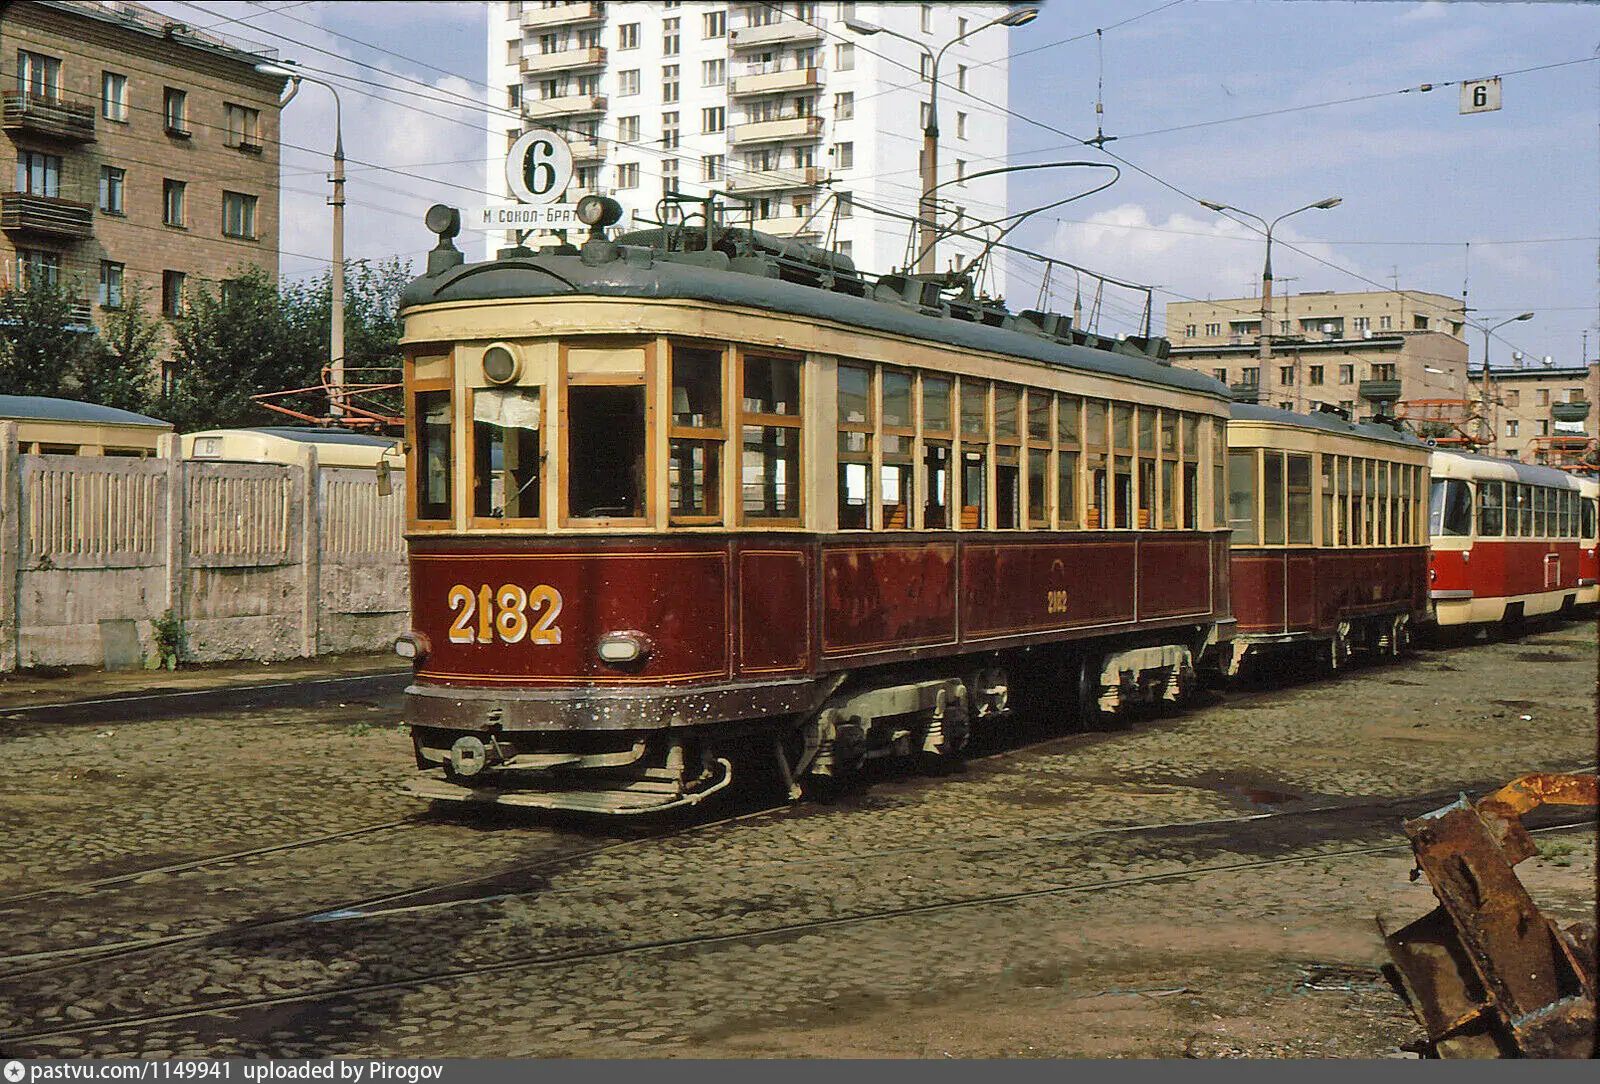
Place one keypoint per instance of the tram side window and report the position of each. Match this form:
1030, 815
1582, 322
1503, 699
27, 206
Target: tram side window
1589, 518
1381, 523
1541, 511
1191, 472
1326, 465
605, 450
1219, 482
433, 454
1242, 498
1298, 483
1094, 454
1272, 499
855, 448
1358, 501
1007, 453
1450, 509
1169, 470
1122, 465
770, 470
1039, 460
694, 448
1525, 510
936, 434
505, 453
974, 462
898, 479
1069, 418
1491, 521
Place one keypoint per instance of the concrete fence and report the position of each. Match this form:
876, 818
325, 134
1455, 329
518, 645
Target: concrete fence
258, 560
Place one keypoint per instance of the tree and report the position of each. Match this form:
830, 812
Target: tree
44, 341
371, 324
119, 369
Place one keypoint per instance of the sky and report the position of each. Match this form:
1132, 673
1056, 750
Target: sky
1265, 105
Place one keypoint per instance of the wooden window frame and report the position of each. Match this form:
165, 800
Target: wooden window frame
795, 421
718, 433
868, 427
469, 445
414, 388
946, 437
564, 384
1068, 519
910, 459
1014, 446
958, 453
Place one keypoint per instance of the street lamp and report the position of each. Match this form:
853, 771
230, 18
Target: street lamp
1266, 269
930, 130
336, 315
1489, 401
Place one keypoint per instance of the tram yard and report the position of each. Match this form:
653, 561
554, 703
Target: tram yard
249, 881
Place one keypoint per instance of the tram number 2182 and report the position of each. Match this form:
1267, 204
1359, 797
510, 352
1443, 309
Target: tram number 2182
509, 613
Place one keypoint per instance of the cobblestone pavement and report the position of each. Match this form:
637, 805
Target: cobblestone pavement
1029, 906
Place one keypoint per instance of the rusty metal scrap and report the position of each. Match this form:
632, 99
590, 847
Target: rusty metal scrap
1485, 972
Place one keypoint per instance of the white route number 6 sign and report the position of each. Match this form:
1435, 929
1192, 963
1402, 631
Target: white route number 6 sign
539, 166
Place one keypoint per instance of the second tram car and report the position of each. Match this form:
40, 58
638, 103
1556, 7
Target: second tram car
1329, 537
1505, 537
1588, 541
696, 490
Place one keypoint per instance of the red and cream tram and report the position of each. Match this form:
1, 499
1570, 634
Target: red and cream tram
673, 496
1329, 542
1588, 541
1505, 537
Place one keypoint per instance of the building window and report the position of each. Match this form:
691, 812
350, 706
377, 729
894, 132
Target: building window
113, 188
239, 215
1347, 374
1419, 323
844, 155
669, 132
1220, 374
670, 38
172, 203
628, 36
628, 129
1251, 375
1213, 329
39, 174
1544, 427
1363, 323
961, 77
961, 171
927, 68
712, 167
713, 73
846, 204
514, 96
38, 76
843, 248
1576, 395
110, 285
1384, 323
628, 175
1286, 375
35, 267
927, 18
669, 178
716, 24
805, 59
1383, 371
1541, 397
961, 125
114, 96
844, 106
844, 57
628, 83
1513, 397
172, 283
669, 83
1285, 405
244, 127
1315, 376
1511, 427
175, 110
1188, 330
714, 119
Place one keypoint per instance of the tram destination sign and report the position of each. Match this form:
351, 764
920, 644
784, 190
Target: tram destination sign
527, 216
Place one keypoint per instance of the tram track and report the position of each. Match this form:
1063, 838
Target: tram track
779, 931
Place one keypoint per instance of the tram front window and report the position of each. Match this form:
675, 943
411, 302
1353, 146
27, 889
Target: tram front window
605, 451
1450, 508
433, 454
505, 434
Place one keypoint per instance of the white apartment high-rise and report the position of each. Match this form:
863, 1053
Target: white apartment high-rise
817, 124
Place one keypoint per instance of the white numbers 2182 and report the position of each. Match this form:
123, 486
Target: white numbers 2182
504, 613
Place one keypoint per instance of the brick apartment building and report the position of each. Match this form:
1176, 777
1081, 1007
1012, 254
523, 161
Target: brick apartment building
146, 154
1541, 412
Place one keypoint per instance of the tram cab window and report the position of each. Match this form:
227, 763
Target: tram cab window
855, 447
770, 469
1242, 498
936, 465
605, 451
505, 453
1297, 480
432, 443
1450, 508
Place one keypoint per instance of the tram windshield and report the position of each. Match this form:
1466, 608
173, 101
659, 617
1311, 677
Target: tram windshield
1450, 508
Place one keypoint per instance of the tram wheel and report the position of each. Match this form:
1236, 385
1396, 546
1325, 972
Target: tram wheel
1090, 715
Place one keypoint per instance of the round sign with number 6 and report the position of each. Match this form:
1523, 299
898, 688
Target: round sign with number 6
538, 166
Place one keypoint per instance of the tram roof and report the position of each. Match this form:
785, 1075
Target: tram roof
1473, 465
324, 436
1327, 422
639, 273
49, 408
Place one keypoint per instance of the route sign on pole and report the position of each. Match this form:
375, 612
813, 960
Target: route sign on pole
539, 166
1480, 95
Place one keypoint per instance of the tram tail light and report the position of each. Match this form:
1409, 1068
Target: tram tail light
411, 645
622, 648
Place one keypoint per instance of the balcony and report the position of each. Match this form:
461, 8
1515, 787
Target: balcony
1569, 412
562, 14
586, 150
771, 131
769, 180
1379, 391
565, 60
542, 109
802, 226
743, 86
784, 30
23, 212
54, 118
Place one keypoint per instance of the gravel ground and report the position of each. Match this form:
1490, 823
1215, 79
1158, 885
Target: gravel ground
831, 925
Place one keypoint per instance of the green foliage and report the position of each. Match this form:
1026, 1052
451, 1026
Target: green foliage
41, 347
119, 368
172, 640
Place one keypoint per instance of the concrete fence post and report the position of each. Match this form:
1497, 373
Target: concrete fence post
175, 542
311, 552
10, 548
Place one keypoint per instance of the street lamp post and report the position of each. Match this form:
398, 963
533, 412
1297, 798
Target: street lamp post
1490, 403
1266, 269
336, 315
926, 215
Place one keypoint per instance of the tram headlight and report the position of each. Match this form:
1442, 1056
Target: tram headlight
598, 211
412, 646
622, 648
501, 364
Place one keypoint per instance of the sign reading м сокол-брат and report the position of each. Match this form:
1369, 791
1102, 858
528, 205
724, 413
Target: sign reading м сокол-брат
528, 216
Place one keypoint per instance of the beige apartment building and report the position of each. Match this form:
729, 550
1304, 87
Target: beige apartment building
1539, 413
1339, 350
146, 154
